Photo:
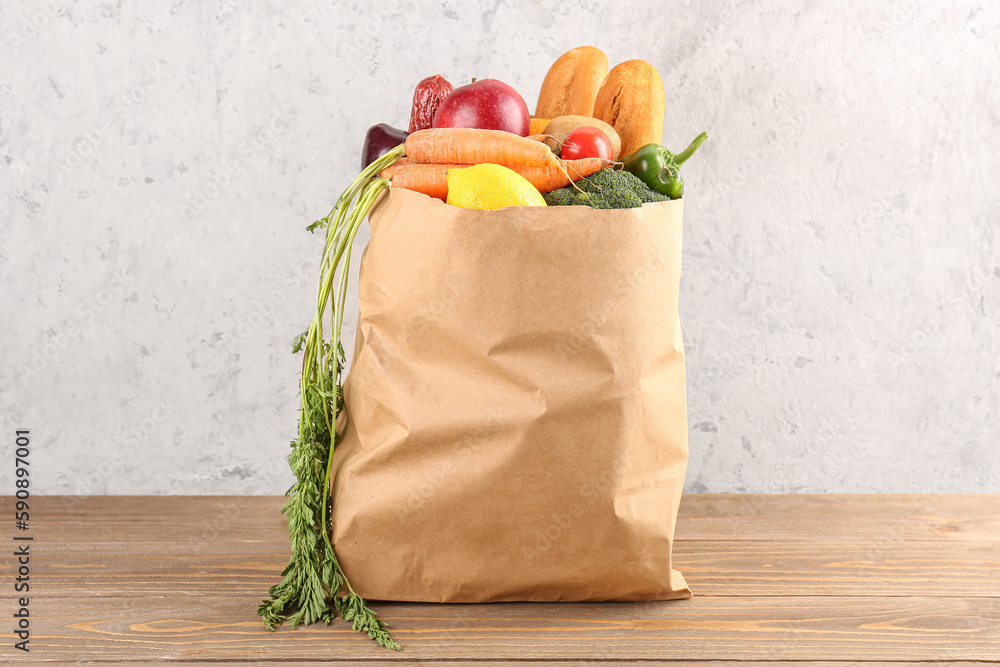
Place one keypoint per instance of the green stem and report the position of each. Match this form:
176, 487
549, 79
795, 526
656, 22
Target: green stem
368, 198
341, 221
312, 580
689, 151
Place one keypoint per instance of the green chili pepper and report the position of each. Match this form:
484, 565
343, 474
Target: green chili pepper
660, 169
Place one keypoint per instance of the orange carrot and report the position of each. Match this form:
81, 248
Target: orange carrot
538, 137
470, 146
547, 179
432, 179
537, 125
403, 161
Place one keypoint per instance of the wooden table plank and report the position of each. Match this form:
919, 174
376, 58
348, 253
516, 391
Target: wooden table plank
774, 563
404, 662
873, 519
793, 578
711, 568
895, 568
184, 626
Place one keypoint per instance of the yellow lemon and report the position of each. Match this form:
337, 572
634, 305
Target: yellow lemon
490, 186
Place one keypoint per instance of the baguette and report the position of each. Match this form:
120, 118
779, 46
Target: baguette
571, 85
631, 100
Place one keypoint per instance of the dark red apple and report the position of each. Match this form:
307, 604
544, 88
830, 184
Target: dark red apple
487, 104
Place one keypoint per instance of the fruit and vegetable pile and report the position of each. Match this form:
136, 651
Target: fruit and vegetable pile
595, 140
589, 122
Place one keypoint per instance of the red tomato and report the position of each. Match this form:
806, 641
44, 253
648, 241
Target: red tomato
586, 141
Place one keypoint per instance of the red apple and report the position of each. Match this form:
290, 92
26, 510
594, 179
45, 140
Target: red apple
487, 104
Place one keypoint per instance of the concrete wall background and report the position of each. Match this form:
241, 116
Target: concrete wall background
158, 164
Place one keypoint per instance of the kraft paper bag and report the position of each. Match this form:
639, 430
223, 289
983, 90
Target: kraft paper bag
516, 411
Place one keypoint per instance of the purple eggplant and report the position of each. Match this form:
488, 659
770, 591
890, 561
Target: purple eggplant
380, 140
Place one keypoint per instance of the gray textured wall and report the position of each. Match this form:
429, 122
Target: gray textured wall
842, 266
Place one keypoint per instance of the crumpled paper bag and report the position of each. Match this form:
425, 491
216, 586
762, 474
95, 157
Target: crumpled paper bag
516, 410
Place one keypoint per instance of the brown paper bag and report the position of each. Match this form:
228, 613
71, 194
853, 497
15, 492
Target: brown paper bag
516, 411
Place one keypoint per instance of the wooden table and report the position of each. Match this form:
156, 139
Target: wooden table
801, 579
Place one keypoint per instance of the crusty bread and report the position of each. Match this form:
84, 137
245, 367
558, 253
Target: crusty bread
631, 101
572, 82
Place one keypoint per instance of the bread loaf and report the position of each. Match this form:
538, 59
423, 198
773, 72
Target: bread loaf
631, 101
572, 82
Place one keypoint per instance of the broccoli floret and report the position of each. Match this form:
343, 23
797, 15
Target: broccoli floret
562, 197
605, 178
605, 189
641, 190
615, 196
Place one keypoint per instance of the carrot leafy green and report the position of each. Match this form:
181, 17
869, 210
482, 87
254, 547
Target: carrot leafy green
313, 586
